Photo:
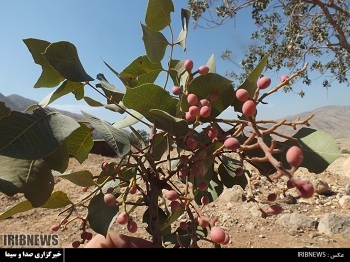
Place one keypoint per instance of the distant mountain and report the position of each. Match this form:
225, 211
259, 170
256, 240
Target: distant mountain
332, 119
20, 103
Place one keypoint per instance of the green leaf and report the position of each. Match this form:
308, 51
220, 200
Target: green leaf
49, 78
149, 96
158, 14
58, 199
33, 178
34, 136
4, 110
63, 57
59, 159
211, 64
163, 219
78, 93
204, 86
173, 125
176, 68
155, 44
227, 172
113, 94
128, 120
100, 216
80, 178
117, 139
185, 18
250, 84
80, 143
66, 88
319, 147
160, 146
92, 102
141, 71
215, 187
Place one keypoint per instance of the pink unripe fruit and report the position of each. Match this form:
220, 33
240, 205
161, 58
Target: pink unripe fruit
203, 70
204, 102
183, 172
194, 111
76, 244
214, 96
196, 170
176, 90
190, 117
183, 225
133, 190
202, 186
205, 200
212, 132
175, 205
217, 235
283, 78
274, 209
184, 159
227, 239
191, 143
272, 197
294, 156
242, 95
104, 166
305, 190
122, 218
249, 108
171, 195
55, 227
239, 171
132, 226
192, 99
264, 82
232, 143
188, 65
205, 111
109, 199
84, 189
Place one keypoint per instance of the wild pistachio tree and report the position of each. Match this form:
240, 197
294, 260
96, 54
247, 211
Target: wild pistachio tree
191, 155
296, 31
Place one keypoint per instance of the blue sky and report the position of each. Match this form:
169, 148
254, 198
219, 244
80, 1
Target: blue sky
110, 30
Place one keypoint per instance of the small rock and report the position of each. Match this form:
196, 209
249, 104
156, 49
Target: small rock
321, 187
344, 202
347, 189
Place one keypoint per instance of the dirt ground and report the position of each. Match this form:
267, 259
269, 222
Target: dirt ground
246, 227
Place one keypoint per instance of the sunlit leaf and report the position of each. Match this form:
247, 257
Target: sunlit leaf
155, 44
173, 125
80, 178
34, 136
158, 14
80, 142
63, 57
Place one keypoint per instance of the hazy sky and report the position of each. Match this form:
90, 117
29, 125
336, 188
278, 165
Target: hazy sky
110, 30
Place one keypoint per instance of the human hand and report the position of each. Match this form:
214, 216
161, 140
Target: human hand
116, 240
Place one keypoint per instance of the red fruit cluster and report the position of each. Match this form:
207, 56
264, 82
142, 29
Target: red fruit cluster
109, 199
232, 143
197, 107
249, 108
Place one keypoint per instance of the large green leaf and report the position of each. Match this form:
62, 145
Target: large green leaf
204, 86
101, 216
129, 120
59, 159
141, 71
149, 96
34, 136
80, 178
113, 94
49, 77
66, 88
58, 199
158, 14
163, 219
117, 139
185, 18
160, 146
63, 57
250, 84
173, 125
319, 148
4, 110
155, 44
80, 143
33, 178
